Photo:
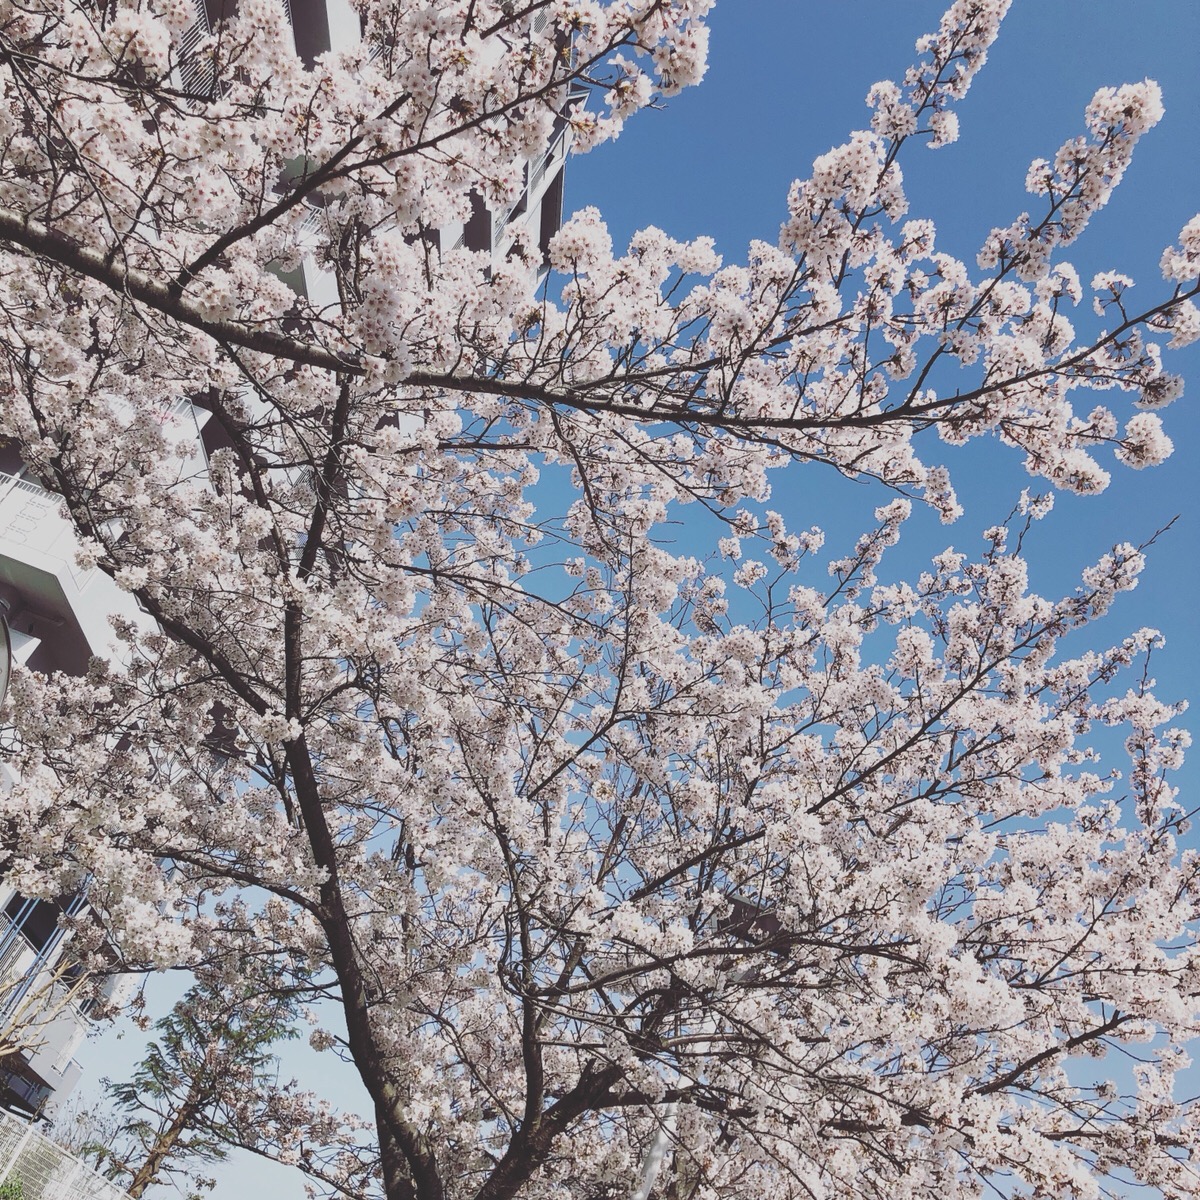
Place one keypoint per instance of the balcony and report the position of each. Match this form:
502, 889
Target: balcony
35, 520
17, 957
58, 612
41, 1020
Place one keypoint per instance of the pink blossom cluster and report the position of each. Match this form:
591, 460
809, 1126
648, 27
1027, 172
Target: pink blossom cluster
834, 881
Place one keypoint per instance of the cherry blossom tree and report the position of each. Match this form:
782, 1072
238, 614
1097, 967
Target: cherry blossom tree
631, 870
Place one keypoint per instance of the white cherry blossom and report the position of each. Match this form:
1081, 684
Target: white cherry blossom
834, 884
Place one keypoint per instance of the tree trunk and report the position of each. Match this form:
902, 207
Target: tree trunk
160, 1151
397, 1183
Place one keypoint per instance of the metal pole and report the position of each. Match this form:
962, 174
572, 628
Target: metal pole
5, 650
656, 1153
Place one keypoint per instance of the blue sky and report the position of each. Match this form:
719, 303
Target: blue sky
787, 81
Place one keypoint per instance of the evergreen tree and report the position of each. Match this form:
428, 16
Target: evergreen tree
185, 1102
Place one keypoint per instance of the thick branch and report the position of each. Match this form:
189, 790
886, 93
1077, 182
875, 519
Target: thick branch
603, 395
530, 1148
138, 285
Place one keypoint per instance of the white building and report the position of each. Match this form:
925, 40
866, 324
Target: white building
59, 614
58, 618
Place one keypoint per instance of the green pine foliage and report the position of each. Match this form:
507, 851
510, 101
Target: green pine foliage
186, 1101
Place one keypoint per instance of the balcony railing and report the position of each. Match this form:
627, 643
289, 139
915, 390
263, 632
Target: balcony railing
34, 971
14, 946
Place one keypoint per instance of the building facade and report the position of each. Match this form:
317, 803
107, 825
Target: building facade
58, 618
